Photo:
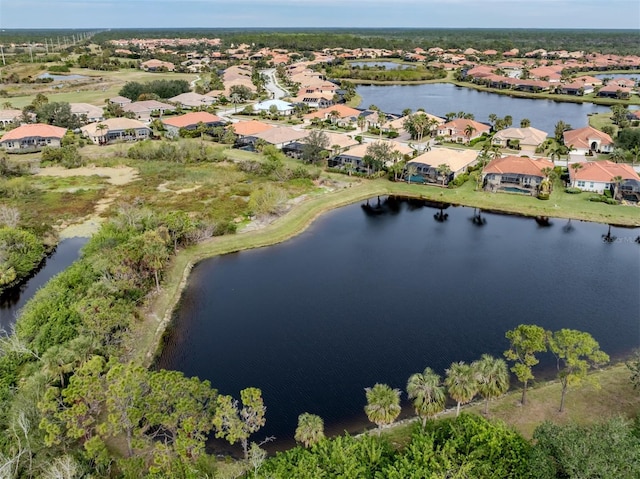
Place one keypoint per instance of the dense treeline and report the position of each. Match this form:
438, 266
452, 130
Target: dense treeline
469, 446
605, 41
409, 74
154, 89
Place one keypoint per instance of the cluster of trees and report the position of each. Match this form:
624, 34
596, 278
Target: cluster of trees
66, 383
154, 89
406, 74
469, 446
20, 250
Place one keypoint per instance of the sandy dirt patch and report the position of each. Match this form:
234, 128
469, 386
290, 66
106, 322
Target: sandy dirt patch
164, 188
120, 175
116, 176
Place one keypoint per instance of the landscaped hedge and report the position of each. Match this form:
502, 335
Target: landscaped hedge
572, 190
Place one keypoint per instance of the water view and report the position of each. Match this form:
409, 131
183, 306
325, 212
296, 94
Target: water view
373, 293
12, 300
62, 77
442, 98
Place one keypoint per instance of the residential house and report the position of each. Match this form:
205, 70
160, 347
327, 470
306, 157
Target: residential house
575, 88
614, 91
281, 136
10, 116
354, 156
190, 121
315, 100
192, 100
525, 139
398, 123
144, 110
91, 112
246, 131
157, 65
120, 100
515, 174
427, 164
588, 140
597, 177
32, 137
115, 129
340, 115
462, 130
279, 106
338, 142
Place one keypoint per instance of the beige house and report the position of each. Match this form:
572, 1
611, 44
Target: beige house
32, 137
192, 100
427, 164
145, 109
116, 129
9, 116
525, 139
92, 112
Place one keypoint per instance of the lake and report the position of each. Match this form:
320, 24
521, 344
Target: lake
375, 294
12, 300
442, 98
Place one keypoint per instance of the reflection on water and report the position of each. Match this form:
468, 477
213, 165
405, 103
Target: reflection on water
376, 291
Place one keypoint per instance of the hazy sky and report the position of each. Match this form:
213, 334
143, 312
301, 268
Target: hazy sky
320, 13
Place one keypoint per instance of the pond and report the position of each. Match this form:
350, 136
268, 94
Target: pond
12, 300
442, 98
375, 293
62, 77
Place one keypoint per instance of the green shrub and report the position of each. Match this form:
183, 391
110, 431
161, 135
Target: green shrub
543, 196
573, 190
459, 180
607, 194
611, 201
597, 198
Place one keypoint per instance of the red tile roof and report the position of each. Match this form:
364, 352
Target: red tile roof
603, 172
244, 128
189, 119
582, 137
518, 165
34, 130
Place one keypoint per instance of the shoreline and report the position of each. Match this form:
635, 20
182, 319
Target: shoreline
159, 312
511, 93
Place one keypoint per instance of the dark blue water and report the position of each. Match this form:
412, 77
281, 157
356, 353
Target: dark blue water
363, 298
11, 301
442, 98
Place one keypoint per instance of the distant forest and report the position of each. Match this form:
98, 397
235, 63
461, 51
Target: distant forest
621, 42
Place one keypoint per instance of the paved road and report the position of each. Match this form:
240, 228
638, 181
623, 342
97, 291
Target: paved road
272, 84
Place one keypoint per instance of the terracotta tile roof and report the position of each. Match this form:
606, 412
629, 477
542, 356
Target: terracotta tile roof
518, 165
34, 130
460, 124
582, 137
603, 172
191, 119
251, 127
343, 112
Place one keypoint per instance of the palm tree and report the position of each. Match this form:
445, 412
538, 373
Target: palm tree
525, 123
427, 393
462, 383
635, 151
361, 121
412, 169
617, 155
310, 429
444, 171
493, 118
469, 130
575, 167
383, 405
493, 378
617, 181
